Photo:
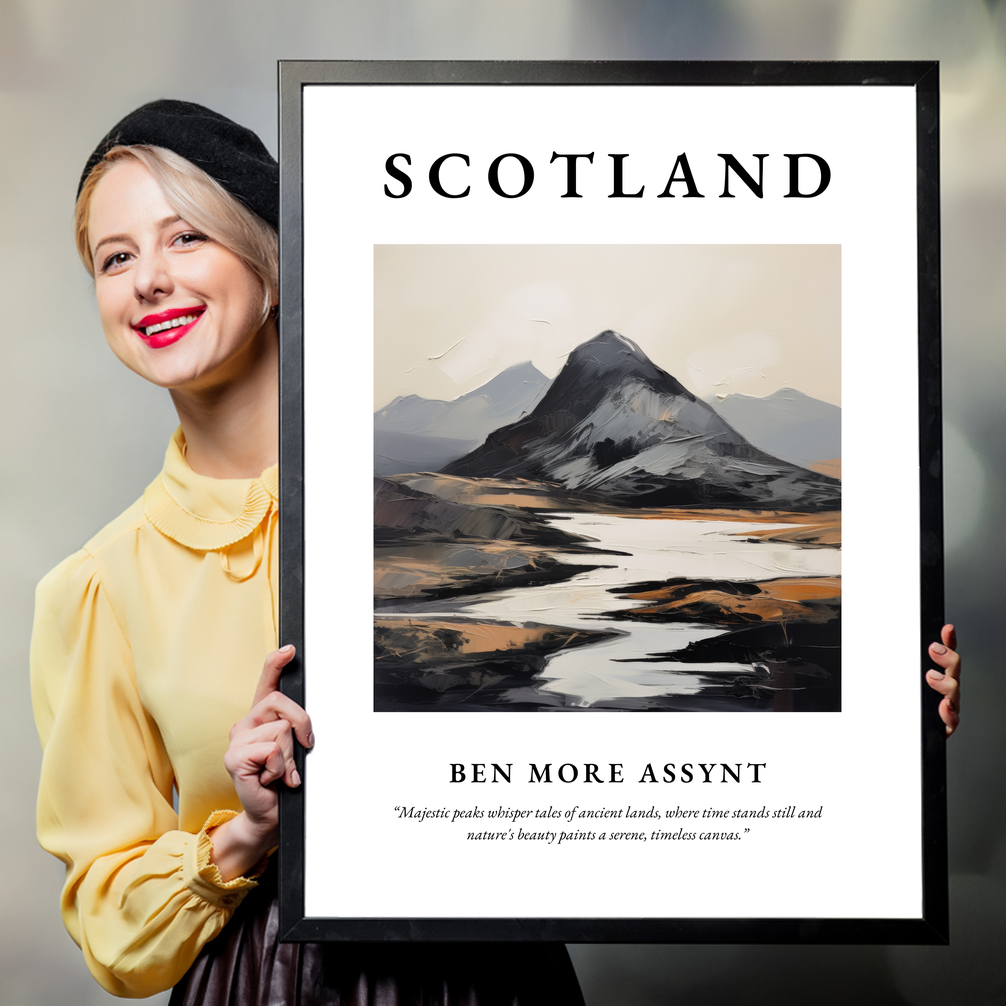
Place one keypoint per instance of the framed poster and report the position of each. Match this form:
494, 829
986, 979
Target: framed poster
651, 353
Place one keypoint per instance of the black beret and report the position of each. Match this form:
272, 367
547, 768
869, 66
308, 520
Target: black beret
231, 154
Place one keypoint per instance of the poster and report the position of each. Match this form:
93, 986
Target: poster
640, 347
589, 532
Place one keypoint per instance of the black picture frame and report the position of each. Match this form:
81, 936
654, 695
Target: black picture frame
931, 925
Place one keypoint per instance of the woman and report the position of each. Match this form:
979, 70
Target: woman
149, 642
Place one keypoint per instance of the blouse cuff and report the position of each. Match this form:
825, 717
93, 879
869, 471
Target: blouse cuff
202, 876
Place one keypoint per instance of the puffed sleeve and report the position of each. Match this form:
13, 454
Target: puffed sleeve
141, 897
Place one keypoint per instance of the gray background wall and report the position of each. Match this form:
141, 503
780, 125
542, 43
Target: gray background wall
82, 437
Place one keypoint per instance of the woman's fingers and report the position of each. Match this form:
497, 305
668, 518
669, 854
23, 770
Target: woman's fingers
949, 636
272, 668
277, 706
270, 703
278, 735
948, 659
261, 761
261, 749
947, 680
949, 688
274, 766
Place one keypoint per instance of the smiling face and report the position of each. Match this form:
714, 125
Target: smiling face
177, 307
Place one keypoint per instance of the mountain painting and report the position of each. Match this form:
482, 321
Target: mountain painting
604, 538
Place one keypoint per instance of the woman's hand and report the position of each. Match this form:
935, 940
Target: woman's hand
947, 682
260, 753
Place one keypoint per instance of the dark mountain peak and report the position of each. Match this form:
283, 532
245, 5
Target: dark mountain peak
607, 349
600, 366
610, 356
614, 423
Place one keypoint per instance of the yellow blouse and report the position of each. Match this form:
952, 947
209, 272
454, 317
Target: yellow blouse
147, 647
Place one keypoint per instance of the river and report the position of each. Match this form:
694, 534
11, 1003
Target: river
655, 549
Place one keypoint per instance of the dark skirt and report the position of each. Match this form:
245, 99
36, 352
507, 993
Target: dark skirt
246, 965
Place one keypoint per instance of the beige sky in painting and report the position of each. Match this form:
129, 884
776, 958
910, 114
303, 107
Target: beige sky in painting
722, 319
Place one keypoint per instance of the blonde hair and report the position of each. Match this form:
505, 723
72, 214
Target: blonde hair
199, 200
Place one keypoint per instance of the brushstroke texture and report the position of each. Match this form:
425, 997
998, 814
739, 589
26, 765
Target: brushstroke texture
788, 424
796, 667
615, 424
784, 599
427, 547
413, 434
615, 459
464, 664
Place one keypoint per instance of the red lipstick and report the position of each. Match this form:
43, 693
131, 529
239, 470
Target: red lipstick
165, 333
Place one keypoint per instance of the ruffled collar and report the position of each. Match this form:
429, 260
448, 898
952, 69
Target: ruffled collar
203, 513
